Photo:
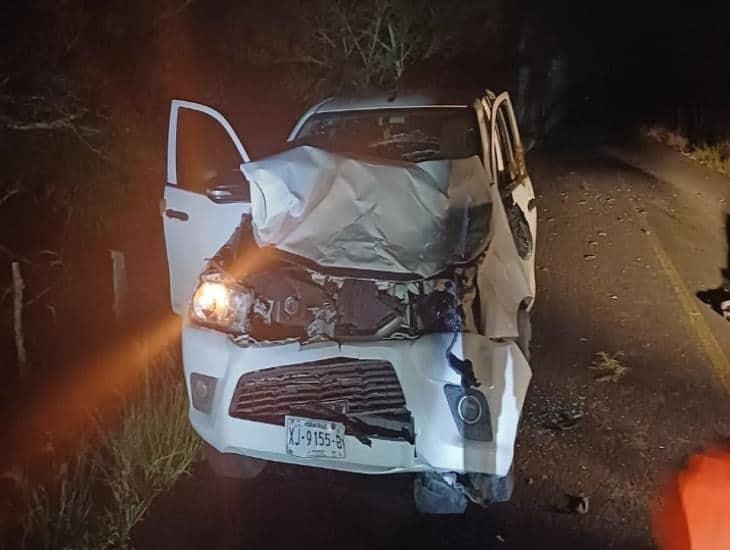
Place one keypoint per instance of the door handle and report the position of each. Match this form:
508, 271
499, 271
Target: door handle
177, 214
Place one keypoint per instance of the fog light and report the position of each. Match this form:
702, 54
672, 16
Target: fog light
470, 409
202, 389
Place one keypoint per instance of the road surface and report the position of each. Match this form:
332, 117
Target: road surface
622, 251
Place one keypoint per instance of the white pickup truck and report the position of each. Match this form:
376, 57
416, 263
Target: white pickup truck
361, 300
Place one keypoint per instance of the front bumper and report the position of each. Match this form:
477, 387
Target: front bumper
422, 370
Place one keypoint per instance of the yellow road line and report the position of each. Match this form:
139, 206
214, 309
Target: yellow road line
709, 344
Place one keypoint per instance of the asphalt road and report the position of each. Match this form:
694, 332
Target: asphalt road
622, 252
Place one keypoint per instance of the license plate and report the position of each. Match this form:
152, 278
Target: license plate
309, 438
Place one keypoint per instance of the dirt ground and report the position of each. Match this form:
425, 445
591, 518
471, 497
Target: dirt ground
621, 254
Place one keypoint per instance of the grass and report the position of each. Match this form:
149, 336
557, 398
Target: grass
714, 156
608, 368
57, 514
97, 498
153, 448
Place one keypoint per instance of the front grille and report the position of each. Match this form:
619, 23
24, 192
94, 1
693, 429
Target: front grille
352, 387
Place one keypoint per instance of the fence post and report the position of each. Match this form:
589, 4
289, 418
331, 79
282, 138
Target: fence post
119, 274
18, 287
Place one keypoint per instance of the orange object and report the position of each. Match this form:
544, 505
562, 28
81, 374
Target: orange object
695, 510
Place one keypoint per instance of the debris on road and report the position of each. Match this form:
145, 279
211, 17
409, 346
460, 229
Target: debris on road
718, 299
565, 420
573, 504
608, 368
577, 504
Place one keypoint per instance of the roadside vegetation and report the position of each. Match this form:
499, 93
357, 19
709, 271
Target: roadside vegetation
94, 499
716, 156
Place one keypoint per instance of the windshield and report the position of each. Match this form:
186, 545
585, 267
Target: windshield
412, 135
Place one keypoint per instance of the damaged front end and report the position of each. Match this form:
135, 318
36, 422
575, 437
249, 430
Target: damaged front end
261, 296
280, 300
331, 320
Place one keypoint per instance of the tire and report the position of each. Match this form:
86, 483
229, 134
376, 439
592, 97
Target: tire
491, 489
232, 465
524, 328
432, 495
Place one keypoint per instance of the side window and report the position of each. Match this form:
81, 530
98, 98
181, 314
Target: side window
205, 153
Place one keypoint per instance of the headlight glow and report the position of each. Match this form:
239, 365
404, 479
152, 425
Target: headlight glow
211, 300
215, 303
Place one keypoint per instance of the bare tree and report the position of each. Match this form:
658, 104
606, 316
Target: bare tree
371, 43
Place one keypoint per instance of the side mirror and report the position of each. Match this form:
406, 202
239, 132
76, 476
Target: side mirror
223, 193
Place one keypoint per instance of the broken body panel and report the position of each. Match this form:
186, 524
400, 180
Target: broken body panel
420, 266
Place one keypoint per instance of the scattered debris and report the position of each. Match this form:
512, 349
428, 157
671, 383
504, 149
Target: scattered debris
608, 368
565, 420
718, 299
577, 504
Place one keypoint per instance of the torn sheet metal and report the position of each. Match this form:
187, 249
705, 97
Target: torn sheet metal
363, 214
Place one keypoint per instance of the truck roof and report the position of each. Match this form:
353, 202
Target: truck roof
401, 100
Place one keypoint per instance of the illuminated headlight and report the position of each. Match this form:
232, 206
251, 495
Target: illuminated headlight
221, 306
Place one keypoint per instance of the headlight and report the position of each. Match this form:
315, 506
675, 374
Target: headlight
221, 306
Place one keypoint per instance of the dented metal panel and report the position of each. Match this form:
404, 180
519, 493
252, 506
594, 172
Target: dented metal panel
384, 216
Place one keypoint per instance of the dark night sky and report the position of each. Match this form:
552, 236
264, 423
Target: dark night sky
636, 59
652, 57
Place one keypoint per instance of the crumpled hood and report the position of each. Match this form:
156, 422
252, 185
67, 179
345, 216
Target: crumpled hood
360, 214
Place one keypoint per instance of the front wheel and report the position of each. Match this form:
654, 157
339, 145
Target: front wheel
489, 489
433, 495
